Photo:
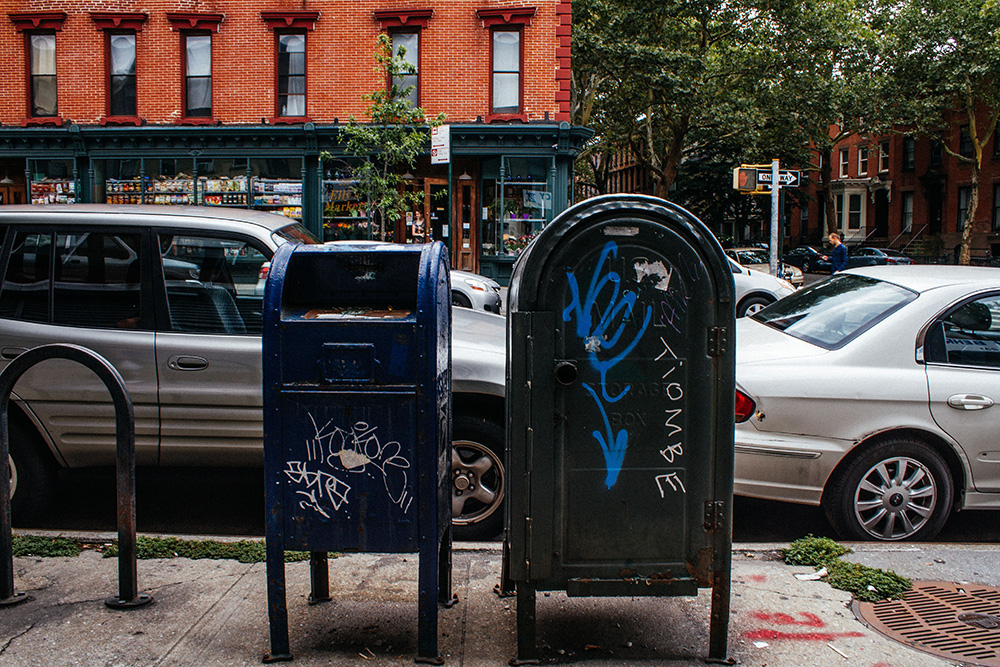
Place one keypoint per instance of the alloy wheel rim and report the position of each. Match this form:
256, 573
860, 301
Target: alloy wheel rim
477, 482
895, 498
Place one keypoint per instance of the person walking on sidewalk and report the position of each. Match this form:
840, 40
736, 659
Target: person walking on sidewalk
838, 258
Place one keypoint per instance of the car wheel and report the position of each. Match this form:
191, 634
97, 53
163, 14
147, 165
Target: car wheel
805, 266
897, 489
32, 476
459, 299
478, 478
751, 305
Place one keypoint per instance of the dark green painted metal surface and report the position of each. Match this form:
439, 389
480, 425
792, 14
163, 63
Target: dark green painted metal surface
620, 388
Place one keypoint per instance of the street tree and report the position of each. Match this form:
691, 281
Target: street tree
946, 71
376, 152
650, 75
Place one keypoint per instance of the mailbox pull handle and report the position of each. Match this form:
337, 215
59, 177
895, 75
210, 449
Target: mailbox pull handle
183, 362
566, 372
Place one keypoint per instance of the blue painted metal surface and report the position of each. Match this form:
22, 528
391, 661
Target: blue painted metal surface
357, 416
620, 387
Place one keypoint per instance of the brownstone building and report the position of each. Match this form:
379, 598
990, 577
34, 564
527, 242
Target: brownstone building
231, 104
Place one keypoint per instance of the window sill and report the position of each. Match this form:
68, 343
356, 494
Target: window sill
197, 121
288, 120
47, 121
503, 117
122, 120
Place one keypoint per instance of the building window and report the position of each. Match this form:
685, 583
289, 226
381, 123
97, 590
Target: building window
845, 162
291, 74
883, 157
197, 75
121, 74
803, 221
996, 207
506, 59
408, 82
42, 72
862, 160
965, 142
854, 211
909, 153
907, 208
937, 153
964, 195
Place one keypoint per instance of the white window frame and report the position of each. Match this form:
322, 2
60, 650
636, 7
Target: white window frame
845, 162
862, 160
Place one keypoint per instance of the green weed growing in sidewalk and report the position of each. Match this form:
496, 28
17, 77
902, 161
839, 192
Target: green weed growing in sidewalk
867, 584
35, 545
244, 551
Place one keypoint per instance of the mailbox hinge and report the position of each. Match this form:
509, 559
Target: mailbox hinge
714, 513
717, 341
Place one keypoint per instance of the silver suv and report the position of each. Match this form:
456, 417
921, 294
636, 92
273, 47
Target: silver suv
169, 296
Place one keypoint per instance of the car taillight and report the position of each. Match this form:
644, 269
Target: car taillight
264, 270
744, 406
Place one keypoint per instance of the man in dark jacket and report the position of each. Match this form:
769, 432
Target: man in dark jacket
838, 258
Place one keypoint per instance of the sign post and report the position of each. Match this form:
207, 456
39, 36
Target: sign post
761, 179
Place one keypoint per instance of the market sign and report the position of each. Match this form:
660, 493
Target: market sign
441, 144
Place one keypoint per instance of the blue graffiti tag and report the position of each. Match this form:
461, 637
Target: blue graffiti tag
596, 339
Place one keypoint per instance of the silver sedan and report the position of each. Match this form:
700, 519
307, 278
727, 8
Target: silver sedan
873, 394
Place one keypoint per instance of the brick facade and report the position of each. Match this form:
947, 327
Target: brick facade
454, 59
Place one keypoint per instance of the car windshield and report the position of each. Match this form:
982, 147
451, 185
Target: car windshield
295, 233
754, 257
833, 312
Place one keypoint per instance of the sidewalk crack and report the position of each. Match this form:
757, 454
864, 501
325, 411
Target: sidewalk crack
20, 634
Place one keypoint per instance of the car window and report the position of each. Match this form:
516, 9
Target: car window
968, 336
25, 292
294, 233
213, 284
834, 312
97, 280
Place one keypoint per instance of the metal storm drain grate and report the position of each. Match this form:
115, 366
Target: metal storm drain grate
954, 621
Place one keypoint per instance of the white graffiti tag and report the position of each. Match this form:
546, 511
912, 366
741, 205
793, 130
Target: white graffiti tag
318, 486
673, 480
334, 452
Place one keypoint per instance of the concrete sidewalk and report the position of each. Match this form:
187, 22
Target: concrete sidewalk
214, 612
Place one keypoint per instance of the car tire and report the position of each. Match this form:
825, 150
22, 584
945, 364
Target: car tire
478, 478
896, 489
32, 475
752, 304
459, 299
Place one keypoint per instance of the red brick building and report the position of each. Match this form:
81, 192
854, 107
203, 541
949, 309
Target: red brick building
908, 193
231, 103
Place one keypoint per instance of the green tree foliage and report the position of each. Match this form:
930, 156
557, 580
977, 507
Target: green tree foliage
945, 61
396, 135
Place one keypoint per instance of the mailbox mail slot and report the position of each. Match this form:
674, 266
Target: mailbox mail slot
357, 416
620, 391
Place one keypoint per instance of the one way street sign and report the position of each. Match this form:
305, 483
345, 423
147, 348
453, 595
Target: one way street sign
788, 178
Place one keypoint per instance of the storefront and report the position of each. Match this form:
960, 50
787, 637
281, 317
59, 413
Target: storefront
502, 185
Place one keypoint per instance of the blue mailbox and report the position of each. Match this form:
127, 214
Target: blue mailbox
357, 417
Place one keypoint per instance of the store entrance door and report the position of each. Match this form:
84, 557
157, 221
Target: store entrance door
465, 235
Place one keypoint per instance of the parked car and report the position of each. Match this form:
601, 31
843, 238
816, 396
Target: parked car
181, 321
755, 289
811, 260
759, 260
471, 290
892, 257
873, 394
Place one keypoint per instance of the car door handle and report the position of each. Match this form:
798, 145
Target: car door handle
12, 352
969, 401
183, 362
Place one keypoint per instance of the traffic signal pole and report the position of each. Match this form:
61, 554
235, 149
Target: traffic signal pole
775, 220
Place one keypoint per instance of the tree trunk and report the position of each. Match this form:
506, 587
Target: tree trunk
965, 253
832, 224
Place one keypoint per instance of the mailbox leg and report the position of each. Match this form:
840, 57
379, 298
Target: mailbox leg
527, 646
445, 595
277, 610
319, 577
718, 634
427, 600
